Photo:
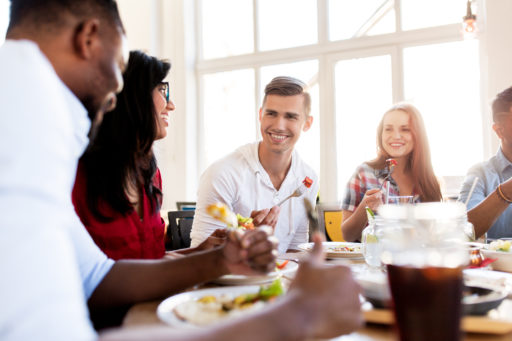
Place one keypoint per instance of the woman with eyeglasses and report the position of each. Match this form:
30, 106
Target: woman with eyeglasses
118, 189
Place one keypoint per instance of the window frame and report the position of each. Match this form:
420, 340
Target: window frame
327, 53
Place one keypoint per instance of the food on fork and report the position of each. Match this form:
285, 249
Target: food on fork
222, 213
306, 183
391, 163
390, 167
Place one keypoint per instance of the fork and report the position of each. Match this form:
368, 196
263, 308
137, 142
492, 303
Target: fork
390, 165
306, 183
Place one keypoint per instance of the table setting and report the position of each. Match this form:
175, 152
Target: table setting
423, 279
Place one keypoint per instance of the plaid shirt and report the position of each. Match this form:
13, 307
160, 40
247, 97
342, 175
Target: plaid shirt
364, 179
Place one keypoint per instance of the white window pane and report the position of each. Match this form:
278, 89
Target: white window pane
287, 23
4, 19
308, 145
443, 81
420, 13
227, 28
228, 111
349, 18
363, 94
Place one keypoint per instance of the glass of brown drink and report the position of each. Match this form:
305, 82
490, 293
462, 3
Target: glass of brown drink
424, 256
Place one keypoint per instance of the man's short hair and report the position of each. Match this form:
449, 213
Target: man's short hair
288, 86
39, 14
502, 103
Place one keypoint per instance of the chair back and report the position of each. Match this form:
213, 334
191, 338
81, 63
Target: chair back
329, 219
186, 205
178, 231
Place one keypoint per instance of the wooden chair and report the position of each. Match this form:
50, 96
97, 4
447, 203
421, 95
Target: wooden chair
178, 231
330, 218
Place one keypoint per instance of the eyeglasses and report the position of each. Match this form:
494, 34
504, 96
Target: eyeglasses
164, 90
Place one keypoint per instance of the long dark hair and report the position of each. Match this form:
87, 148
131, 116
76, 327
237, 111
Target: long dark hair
419, 162
122, 152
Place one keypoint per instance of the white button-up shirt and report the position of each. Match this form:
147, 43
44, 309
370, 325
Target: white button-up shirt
49, 264
240, 181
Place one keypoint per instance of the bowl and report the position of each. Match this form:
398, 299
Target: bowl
503, 259
479, 300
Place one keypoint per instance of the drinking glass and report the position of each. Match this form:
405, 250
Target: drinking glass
370, 244
400, 199
424, 254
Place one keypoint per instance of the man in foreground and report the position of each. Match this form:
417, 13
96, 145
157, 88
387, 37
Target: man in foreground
60, 68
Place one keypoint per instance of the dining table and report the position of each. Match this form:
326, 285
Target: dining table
145, 314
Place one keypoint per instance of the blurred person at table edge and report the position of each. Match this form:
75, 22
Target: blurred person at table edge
401, 136
72, 53
254, 178
489, 207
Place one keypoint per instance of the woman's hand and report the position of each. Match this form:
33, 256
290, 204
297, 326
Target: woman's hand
372, 198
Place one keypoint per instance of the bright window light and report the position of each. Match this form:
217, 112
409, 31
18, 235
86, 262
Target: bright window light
351, 19
421, 13
229, 112
287, 23
443, 81
227, 28
363, 94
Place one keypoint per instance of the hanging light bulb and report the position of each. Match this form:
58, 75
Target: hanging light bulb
469, 27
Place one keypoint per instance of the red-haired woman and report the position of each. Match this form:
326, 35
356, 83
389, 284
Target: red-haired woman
401, 136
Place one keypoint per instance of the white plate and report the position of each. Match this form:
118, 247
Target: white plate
290, 268
495, 280
165, 310
330, 253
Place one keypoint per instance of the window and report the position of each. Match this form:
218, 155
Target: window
280, 28
229, 116
351, 19
358, 58
449, 105
363, 92
219, 37
420, 14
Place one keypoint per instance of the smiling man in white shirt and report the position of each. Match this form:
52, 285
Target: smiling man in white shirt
256, 177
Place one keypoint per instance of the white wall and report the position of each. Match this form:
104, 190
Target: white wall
165, 28
496, 58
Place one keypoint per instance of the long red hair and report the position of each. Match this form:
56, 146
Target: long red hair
419, 163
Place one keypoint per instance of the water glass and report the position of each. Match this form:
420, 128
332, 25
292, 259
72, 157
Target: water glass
400, 199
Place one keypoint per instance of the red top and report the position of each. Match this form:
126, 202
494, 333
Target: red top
127, 236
